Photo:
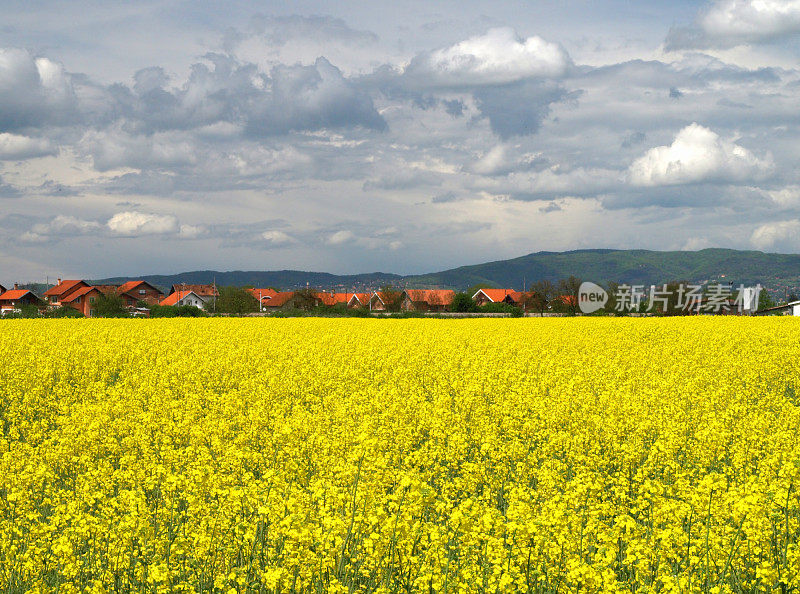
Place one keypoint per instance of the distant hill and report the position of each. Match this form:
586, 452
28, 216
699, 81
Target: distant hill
778, 272
280, 279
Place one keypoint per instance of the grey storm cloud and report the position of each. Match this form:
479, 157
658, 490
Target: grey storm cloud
34, 92
37, 92
518, 109
289, 98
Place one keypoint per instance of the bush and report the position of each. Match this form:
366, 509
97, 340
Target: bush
512, 310
110, 306
235, 300
462, 302
23, 311
176, 311
63, 312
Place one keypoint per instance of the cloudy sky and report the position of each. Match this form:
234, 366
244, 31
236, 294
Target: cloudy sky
403, 136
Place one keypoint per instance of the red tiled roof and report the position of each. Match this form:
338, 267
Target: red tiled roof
129, 286
79, 293
13, 294
332, 298
265, 294
362, 298
107, 289
173, 298
497, 295
61, 288
279, 299
199, 290
431, 296
567, 299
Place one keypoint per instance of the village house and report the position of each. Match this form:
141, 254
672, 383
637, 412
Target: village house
263, 295
12, 299
207, 293
278, 301
378, 301
180, 298
82, 300
358, 300
55, 295
201, 290
509, 296
789, 309
436, 300
135, 291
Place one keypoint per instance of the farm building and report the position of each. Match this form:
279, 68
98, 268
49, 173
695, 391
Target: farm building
12, 299
63, 289
427, 299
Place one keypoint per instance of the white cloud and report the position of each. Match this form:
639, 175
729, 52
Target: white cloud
276, 238
751, 19
780, 234
134, 224
15, 147
191, 231
502, 159
60, 226
730, 23
788, 197
497, 57
697, 155
341, 237
115, 148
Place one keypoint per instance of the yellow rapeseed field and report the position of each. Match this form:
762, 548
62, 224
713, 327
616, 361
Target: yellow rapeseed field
314, 455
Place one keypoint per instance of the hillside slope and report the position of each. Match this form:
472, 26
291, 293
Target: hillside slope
778, 272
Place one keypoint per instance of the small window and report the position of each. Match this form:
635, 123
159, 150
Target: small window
91, 299
53, 299
142, 292
91, 313
78, 300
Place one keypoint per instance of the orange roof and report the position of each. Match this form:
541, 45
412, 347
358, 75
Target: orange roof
13, 294
199, 290
61, 288
497, 295
173, 298
332, 298
362, 298
262, 293
279, 299
568, 299
128, 286
431, 296
80, 293
107, 289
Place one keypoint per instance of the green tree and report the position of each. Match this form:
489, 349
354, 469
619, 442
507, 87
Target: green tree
306, 299
765, 300
235, 300
63, 312
541, 294
568, 293
392, 297
462, 302
110, 306
176, 311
